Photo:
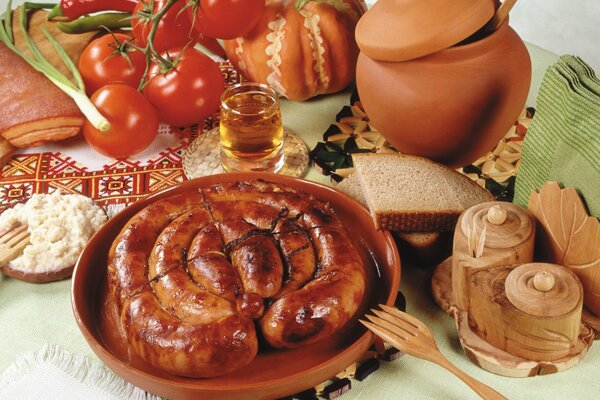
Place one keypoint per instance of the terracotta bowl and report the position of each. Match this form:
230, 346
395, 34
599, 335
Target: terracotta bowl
452, 106
273, 373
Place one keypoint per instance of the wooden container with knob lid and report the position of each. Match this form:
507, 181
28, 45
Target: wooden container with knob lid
514, 317
488, 235
531, 311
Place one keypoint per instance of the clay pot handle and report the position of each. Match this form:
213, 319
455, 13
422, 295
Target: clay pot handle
500, 15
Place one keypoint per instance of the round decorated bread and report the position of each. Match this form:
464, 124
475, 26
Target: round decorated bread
198, 277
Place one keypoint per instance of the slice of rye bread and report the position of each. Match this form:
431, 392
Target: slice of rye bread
351, 186
414, 194
418, 240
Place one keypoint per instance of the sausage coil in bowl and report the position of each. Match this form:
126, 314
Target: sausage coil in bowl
198, 277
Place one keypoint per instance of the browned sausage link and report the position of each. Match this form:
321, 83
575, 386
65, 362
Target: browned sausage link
210, 267
298, 256
180, 348
325, 304
260, 215
255, 256
217, 268
173, 288
242, 192
128, 255
243, 224
314, 212
157, 336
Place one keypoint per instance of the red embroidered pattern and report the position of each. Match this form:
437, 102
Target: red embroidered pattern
117, 182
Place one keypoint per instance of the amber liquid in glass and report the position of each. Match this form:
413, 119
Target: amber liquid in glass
251, 127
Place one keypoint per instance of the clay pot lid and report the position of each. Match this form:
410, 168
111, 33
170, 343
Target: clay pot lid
399, 30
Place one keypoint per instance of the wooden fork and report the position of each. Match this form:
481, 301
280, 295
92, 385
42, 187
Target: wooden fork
410, 335
12, 243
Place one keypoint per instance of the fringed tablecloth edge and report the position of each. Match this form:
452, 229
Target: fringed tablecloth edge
78, 367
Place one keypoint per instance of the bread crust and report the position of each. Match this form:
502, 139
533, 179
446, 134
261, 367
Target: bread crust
405, 220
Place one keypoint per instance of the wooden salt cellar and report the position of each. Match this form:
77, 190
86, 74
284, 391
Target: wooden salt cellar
514, 317
480, 244
514, 313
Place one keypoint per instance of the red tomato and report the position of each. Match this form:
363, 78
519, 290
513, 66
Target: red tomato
174, 29
190, 92
134, 123
226, 19
102, 63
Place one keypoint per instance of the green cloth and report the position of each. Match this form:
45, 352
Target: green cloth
563, 142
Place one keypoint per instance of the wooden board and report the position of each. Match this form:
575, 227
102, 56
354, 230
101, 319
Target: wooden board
441, 287
502, 363
592, 321
6, 151
491, 358
34, 109
568, 236
73, 44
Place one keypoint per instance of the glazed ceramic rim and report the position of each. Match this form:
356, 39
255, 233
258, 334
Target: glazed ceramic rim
365, 340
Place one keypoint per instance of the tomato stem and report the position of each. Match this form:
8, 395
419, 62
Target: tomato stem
120, 49
55, 12
132, 45
149, 50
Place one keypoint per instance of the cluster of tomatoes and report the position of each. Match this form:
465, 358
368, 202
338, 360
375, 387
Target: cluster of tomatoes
183, 94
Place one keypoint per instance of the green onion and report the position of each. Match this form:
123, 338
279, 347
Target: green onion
39, 63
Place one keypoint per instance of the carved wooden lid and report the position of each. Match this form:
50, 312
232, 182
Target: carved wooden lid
399, 30
516, 226
544, 290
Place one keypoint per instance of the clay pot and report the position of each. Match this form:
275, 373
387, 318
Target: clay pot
451, 106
